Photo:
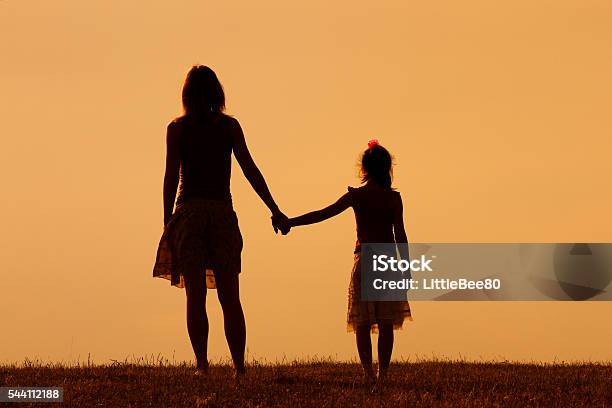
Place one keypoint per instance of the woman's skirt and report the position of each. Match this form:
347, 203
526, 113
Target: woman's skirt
372, 314
201, 236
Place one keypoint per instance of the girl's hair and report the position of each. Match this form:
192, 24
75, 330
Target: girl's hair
377, 165
202, 91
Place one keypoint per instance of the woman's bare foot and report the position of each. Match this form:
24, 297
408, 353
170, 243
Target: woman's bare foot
201, 369
239, 376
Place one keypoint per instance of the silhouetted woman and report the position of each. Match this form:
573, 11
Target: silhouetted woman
201, 243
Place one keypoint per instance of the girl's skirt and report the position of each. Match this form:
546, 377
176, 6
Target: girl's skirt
202, 236
372, 314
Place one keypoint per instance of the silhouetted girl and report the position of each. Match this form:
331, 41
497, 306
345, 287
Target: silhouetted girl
202, 236
378, 213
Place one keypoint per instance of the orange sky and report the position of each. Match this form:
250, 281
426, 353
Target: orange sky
498, 115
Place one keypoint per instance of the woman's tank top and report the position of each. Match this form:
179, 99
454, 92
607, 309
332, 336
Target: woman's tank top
205, 151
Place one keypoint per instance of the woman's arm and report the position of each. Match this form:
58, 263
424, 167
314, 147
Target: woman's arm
250, 169
173, 165
336, 208
401, 239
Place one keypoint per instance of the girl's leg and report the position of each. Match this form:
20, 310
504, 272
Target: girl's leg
385, 347
364, 347
197, 321
233, 318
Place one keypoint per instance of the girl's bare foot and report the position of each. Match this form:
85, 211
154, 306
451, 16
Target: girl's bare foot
369, 377
380, 382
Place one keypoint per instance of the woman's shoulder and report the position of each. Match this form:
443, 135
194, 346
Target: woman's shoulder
230, 120
177, 123
218, 117
175, 128
395, 196
225, 122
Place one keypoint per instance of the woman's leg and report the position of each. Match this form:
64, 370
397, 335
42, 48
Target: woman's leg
385, 347
228, 291
197, 321
364, 347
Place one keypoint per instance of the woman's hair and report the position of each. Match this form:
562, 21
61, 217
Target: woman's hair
376, 165
202, 91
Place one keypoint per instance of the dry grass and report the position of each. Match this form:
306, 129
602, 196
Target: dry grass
321, 384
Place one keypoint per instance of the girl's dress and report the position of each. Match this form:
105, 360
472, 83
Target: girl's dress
374, 214
202, 236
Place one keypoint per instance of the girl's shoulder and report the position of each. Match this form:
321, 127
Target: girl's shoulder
353, 191
367, 196
353, 195
366, 190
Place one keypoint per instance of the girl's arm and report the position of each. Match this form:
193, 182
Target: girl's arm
401, 239
321, 215
173, 165
250, 169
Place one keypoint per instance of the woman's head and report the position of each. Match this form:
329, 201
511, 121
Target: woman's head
202, 91
376, 165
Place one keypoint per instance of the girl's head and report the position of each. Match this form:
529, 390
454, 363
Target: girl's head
202, 91
376, 165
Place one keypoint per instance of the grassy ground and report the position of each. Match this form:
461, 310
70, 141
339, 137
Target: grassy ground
322, 384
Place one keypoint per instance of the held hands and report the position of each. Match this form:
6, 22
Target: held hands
280, 222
